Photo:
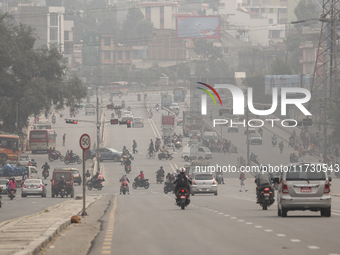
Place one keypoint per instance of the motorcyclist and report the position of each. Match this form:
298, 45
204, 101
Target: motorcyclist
45, 167
219, 173
157, 105
160, 173
125, 151
263, 181
157, 144
140, 177
71, 154
127, 162
169, 178
99, 179
53, 118
165, 152
260, 131
182, 181
12, 185
151, 147
87, 175
94, 178
124, 179
145, 96
61, 183
112, 115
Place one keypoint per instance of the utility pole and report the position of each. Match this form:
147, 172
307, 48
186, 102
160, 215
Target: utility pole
98, 128
247, 128
17, 118
324, 81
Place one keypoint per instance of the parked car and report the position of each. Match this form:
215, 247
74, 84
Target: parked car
90, 109
108, 154
75, 173
304, 186
33, 187
69, 189
203, 183
255, 138
174, 107
193, 152
138, 122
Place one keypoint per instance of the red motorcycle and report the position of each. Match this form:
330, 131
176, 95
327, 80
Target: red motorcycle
55, 155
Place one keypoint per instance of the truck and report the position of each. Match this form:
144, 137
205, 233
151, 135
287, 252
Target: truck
166, 100
192, 120
168, 125
179, 94
9, 171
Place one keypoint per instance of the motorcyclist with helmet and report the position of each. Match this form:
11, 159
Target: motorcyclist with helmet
140, 177
61, 183
263, 181
127, 163
182, 182
160, 173
45, 167
12, 185
124, 180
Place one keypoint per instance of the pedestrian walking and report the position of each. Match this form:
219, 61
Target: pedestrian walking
134, 146
242, 181
64, 137
281, 146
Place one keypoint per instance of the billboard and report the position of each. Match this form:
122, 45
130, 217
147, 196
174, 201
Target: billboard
288, 81
196, 27
168, 121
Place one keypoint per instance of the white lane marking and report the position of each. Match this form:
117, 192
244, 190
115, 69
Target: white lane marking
313, 247
34, 202
210, 210
226, 215
249, 223
258, 226
295, 240
240, 220
176, 165
233, 218
268, 230
153, 130
281, 235
333, 254
220, 213
173, 169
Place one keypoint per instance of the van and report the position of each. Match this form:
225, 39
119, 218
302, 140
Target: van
68, 179
210, 136
90, 109
192, 153
75, 172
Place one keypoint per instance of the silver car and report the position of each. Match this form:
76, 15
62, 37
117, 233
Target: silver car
33, 187
3, 184
90, 109
137, 122
203, 183
304, 186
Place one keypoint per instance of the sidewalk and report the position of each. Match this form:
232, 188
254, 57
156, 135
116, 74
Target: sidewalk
29, 234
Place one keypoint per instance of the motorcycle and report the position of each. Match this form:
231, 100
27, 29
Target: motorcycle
120, 95
125, 187
219, 178
183, 198
62, 192
46, 173
139, 98
53, 120
266, 198
72, 114
274, 141
88, 99
129, 108
178, 145
74, 159
119, 115
123, 104
159, 179
11, 193
168, 187
127, 169
124, 157
165, 155
55, 155
32, 163
157, 109
91, 185
141, 183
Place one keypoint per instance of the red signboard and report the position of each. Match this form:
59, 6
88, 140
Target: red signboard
168, 120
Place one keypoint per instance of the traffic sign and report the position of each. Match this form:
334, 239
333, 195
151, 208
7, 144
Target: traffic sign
85, 142
98, 155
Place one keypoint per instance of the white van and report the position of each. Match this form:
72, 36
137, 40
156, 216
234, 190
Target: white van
192, 153
210, 136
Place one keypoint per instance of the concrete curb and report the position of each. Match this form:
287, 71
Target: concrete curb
39, 243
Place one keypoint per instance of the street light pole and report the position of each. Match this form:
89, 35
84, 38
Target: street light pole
247, 130
98, 128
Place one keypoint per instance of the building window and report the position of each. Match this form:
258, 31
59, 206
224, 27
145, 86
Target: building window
225, 50
275, 34
66, 36
282, 10
148, 10
162, 9
282, 21
53, 34
263, 10
114, 56
271, 10
53, 19
119, 55
162, 21
68, 47
270, 21
107, 42
106, 55
127, 55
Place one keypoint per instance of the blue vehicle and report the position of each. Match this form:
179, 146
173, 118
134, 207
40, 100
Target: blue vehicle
108, 154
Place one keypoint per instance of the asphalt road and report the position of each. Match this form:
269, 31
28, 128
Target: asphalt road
148, 222
33, 204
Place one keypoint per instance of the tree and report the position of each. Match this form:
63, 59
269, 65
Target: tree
207, 50
306, 9
142, 29
280, 67
31, 79
128, 34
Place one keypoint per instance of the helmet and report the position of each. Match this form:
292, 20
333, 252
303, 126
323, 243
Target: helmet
161, 167
62, 177
182, 170
46, 163
88, 170
140, 171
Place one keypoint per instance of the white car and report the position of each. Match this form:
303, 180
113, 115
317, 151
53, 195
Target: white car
255, 139
203, 183
127, 114
138, 122
174, 107
251, 130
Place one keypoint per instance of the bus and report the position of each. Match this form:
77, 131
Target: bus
42, 140
9, 147
46, 125
119, 87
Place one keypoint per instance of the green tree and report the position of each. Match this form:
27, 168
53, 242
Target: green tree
31, 79
280, 67
306, 9
142, 29
206, 49
128, 34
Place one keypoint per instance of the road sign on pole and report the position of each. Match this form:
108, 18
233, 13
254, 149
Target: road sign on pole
85, 142
98, 155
